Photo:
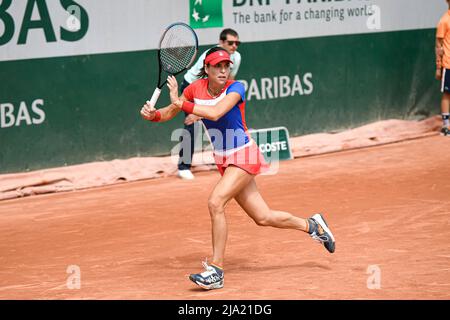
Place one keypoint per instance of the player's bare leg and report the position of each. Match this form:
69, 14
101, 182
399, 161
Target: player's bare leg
231, 183
256, 208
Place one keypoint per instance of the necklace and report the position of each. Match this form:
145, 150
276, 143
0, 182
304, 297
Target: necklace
212, 93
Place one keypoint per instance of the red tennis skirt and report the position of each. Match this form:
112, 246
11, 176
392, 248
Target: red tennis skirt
249, 159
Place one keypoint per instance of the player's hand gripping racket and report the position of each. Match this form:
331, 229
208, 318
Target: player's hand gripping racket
177, 50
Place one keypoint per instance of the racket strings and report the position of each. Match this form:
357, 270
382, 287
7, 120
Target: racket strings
177, 50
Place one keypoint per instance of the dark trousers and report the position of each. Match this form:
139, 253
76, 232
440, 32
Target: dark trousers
185, 160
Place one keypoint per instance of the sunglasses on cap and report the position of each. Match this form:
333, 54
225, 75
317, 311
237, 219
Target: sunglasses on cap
231, 42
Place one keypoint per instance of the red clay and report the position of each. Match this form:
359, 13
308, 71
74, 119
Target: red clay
388, 207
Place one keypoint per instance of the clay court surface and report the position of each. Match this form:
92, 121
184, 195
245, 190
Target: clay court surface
388, 206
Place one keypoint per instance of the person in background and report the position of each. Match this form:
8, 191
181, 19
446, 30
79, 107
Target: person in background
443, 67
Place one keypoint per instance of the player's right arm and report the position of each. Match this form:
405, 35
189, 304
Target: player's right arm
148, 112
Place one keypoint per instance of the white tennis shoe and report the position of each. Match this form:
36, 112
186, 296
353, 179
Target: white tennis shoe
322, 233
185, 174
211, 278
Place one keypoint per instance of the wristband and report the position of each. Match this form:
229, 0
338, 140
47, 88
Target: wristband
157, 117
188, 106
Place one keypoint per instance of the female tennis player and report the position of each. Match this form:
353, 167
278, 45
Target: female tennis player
221, 104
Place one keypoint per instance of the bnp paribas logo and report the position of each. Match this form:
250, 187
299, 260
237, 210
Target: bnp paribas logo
206, 13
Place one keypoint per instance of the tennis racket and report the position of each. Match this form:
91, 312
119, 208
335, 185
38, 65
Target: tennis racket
177, 50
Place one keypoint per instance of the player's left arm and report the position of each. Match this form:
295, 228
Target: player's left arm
219, 110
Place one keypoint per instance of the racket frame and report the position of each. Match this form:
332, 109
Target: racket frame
157, 91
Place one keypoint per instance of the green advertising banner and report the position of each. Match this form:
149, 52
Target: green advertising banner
206, 14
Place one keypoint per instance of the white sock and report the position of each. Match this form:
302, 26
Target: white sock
445, 119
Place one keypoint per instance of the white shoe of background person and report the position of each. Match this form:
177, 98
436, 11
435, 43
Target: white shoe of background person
185, 174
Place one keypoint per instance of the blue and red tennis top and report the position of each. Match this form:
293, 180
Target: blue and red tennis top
229, 133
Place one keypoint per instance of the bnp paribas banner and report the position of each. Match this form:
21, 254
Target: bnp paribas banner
52, 28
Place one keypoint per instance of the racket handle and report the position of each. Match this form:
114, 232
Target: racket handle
155, 97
